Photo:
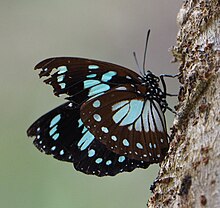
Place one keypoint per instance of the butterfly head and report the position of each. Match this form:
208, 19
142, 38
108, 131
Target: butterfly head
150, 80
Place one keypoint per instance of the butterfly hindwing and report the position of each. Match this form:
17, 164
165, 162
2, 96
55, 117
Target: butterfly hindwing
61, 133
128, 123
101, 162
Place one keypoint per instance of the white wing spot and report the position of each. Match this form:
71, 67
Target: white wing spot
121, 88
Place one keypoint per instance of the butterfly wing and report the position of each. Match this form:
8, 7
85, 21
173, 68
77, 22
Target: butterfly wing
82, 79
61, 133
128, 123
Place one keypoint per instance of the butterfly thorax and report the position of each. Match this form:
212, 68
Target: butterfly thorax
152, 90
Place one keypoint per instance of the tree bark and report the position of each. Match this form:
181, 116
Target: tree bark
190, 173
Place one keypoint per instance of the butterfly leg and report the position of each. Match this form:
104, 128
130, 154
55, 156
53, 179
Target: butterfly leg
164, 84
171, 110
165, 89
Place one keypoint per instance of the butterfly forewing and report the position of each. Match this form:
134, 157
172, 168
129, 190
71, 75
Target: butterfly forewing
128, 123
54, 134
82, 79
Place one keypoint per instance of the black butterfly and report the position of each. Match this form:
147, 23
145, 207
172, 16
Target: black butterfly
113, 120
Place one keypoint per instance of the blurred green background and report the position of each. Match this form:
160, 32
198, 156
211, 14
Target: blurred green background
31, 31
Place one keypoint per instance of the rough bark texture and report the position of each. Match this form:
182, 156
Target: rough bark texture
190, 173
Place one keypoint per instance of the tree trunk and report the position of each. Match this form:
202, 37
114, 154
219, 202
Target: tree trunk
190, 173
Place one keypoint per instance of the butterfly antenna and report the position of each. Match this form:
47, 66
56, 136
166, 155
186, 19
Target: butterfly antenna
135, 58
145, 52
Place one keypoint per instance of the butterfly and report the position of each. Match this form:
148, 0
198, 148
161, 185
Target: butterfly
113, 120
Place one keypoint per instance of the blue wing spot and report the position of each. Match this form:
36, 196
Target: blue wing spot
133, 113
119, 105
161, 140
89, 83
125, 142
98, 160
80, 123
93, 67
96, 104
121, 159
108, 76
146, 115
53, 148
62, 69
55, 120
138, 124
91, 75
97, 117
55, 136
150, 145
139, 145
97, 95
62, 85
114, 138
62, 152
108, 162
105, 129
98, 89
85, 141
120, 114
60, 78
53, 130
84, 130
155, 146
91, 153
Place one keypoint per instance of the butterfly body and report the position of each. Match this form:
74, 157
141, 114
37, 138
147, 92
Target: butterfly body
113, 120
